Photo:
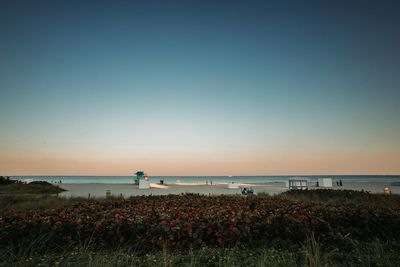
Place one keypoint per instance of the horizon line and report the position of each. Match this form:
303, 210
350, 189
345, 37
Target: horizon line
247, 175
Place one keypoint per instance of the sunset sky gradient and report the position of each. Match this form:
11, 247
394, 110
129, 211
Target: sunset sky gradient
199, 87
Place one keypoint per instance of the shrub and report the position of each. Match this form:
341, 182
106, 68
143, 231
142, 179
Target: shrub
41, 183
173, 222
7, 181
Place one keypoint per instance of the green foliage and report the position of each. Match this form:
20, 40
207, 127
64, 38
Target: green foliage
342, 197
24, 202
29, 202
6, 180
32, 188
375, 253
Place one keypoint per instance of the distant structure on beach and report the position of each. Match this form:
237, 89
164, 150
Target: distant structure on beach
142, 180
139, 176
325, 182
233, 185
298, 183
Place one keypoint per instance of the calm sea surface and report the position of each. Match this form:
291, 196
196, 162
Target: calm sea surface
203, 179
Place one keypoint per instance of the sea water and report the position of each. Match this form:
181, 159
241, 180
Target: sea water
204, 179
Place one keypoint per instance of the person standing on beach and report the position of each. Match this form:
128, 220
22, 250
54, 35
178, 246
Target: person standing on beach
340, 182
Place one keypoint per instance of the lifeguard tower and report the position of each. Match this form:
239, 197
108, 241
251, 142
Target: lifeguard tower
142, 180
139, 176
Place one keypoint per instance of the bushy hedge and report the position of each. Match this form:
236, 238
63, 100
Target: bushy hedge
6, 181
180, 222
343, 197
44, 183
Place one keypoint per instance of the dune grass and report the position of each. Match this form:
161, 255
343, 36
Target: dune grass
310, 254
36, 195
29, 189
341, 197
25, 202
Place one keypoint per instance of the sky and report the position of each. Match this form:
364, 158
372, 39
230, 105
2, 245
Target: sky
199, 87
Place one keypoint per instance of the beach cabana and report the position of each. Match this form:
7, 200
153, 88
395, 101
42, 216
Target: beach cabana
325, 182
233, 185
298, 183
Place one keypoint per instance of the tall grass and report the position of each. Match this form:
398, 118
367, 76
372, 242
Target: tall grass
44, 201
36, 201
311, 255
33, 188
342, 197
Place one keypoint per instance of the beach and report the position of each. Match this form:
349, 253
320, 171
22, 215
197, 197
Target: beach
373, 187
127, 190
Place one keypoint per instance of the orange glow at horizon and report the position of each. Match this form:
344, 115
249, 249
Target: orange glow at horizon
383, 163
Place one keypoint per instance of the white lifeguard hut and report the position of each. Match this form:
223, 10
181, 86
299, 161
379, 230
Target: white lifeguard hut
298, 183
142, 180
325, 182
233, 185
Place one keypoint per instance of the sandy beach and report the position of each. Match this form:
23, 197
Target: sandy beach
373, 187
126, 190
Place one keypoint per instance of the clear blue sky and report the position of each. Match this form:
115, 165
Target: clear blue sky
199, 87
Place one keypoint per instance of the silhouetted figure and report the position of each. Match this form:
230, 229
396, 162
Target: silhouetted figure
340, 182
317, 184
337, 183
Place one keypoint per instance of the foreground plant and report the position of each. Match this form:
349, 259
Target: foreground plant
175, 223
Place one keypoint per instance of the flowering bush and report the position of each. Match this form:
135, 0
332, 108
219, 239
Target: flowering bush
179, 222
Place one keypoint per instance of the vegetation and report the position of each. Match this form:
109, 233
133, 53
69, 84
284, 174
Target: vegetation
13, 187
6, 180
25, 202
366, 254
342, 197
303, 228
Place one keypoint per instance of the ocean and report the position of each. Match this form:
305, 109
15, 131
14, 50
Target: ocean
204, 179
